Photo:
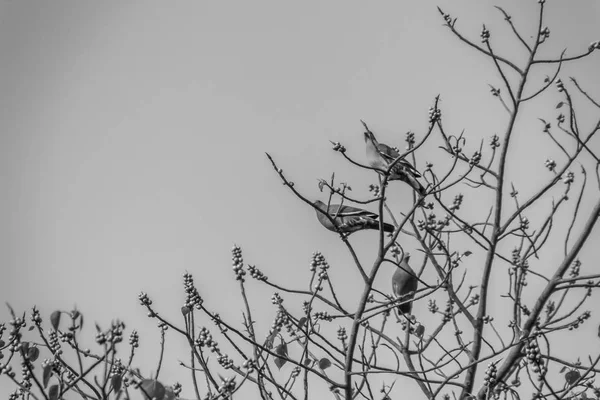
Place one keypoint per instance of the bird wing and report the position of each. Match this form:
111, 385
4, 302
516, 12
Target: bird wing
389, 155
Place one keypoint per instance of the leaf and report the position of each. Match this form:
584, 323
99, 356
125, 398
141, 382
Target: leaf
53, 392
25, 347
33, 353
307, 361
420, 330
271, 339
572, 376
55, 319
185, 310
152, 389
169, 395
12, 312
31, 327
560, 104
324, 363
467, 253
281, 350
301, 322
47, 374
598, 330
2, 343
321, 184
98, 327
115, 382
563, 369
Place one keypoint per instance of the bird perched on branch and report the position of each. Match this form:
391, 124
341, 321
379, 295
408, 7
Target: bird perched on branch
404, 285
348, 219
381, 156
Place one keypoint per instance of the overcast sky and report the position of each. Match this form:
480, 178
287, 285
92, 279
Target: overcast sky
133, 136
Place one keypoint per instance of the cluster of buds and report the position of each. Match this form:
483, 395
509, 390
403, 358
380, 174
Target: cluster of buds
257, 273
177, 389
550, 164
295, 372
580, 320
495, 91
36, 318
224, 361
323, 316
306, 308
448, 311
524, 223
434, 115
282, 319
227, 387
560, 118
544, 34
192, 297
485, 35
26, 377
489, 378
569, 178
474, 299
409, 322
487, 319
54, 343
432, 306
144, 299
276, 299
117, 368
574, 273
250, 365
560, 85
457, 202
318, 260
448, 19
495, 141
594, 46
134, 339
410, 139
205, 339
342, 336
534, 358
475, 159
238, 263
66, 337
337, 146
374, 189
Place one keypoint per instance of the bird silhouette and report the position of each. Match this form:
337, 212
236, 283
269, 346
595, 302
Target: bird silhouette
404, 285
348, 219
380, 156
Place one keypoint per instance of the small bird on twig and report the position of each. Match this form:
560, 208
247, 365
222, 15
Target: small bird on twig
348, 219
404, 285
380, 156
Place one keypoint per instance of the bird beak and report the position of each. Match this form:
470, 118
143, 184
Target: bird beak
367, 136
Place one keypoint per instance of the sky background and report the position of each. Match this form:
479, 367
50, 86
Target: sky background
133, 136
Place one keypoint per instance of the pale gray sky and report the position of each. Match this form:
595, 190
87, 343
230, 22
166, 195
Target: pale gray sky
133, 135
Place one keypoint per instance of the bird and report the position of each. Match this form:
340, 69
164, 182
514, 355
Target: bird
348, 219
404, 285
380, 156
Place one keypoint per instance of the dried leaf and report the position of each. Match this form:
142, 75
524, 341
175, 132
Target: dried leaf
324, 363
185, 310
55, 319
